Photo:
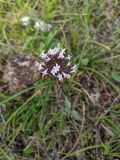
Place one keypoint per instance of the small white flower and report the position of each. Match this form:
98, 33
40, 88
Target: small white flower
57, 49
63, 50
53, 51
37, 64
53, 72
60, 77
47, 59
61, 54
69, 64
40, 67
42, 26
45, 72
68, 57
74, 69
39, 25
43, 55
55, 69
66, 75
25, 20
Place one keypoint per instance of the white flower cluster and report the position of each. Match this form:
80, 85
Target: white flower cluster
43, 26
25, 20
40, 25
56, 63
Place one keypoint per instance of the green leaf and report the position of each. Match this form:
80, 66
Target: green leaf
74, 114
68, 105
84, 61
116, 76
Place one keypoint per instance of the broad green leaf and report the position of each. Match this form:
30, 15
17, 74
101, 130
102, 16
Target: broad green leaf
84, 61
68, 105
74, 114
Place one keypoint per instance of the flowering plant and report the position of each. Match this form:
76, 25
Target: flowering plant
56, 63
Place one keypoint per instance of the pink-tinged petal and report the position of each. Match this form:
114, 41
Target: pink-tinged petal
45, 72
74, 69
66, 75
60, 77
68, 57
43, 55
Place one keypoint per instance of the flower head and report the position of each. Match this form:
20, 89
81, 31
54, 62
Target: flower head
56, 63
60, 77
42, 26
24, 20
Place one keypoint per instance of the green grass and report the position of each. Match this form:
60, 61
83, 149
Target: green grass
65, 120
